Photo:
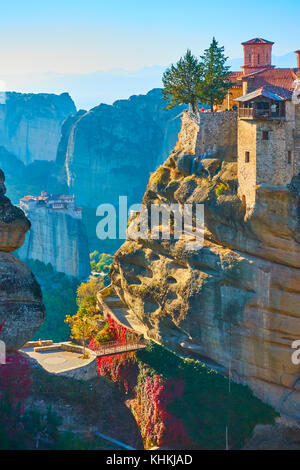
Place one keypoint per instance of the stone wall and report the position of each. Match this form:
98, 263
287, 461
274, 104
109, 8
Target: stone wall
272, 155
209, 134
268, 159
247, 170
297, 137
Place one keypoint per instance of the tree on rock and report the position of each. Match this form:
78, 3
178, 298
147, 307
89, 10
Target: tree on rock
215, 82
181, 82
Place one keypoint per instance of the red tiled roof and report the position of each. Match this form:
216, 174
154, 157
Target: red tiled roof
28, 198
49, 197
283, 78
257, 41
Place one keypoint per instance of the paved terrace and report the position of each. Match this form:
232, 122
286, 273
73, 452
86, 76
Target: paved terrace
56, 360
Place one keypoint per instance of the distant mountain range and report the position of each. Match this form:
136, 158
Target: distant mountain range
88, 90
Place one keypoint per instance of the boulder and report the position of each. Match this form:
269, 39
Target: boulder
13, 223
21, 307
211, 165
184, 163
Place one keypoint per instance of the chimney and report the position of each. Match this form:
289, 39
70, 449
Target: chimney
298, 58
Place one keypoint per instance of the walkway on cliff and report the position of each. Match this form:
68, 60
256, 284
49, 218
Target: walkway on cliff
110, 303
112, 348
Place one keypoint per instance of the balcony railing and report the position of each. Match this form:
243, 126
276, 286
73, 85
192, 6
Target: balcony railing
252, 113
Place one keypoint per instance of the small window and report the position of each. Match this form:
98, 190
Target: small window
258, 59
265, 135
289, 157
247, 157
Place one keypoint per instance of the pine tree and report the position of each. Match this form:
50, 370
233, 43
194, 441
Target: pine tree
216, 82
181, 82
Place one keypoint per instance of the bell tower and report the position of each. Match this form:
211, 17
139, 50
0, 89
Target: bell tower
257, 55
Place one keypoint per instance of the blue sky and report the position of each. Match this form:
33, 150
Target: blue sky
84, 36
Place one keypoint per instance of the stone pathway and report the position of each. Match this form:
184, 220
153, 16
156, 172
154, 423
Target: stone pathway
57, 360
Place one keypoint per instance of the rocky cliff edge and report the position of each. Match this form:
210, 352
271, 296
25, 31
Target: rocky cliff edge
235, 302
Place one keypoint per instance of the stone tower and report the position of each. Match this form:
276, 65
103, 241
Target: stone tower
265, 153
257, 55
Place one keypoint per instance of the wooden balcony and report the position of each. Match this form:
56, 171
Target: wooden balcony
256, 113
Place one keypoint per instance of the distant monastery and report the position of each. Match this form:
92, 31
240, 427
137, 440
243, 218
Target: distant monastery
60, 203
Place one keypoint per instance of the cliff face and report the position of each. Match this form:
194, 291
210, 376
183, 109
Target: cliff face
30, 124
234, 302
111, 150
58, 239
21, 308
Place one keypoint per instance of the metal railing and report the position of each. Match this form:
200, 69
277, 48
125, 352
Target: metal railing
117, 347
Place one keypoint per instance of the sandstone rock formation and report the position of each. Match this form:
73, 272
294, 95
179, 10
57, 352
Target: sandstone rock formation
111, 150
59, 239
235, 302
30, 124
13, 223
21, 308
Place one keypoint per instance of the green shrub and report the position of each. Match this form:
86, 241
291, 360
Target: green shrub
160, 177
220, 188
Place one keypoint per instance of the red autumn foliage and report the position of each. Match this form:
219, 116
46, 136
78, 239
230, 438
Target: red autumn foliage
120, 368
15, 379
153, 394
122, 333
157, 425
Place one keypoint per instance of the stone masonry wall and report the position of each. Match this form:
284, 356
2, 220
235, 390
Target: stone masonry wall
210, 134
272, 155
268, 158
247, 171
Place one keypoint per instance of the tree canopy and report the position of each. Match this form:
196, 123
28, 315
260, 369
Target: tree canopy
83, 326
181, 82
215, 82
88, 290
192, 81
